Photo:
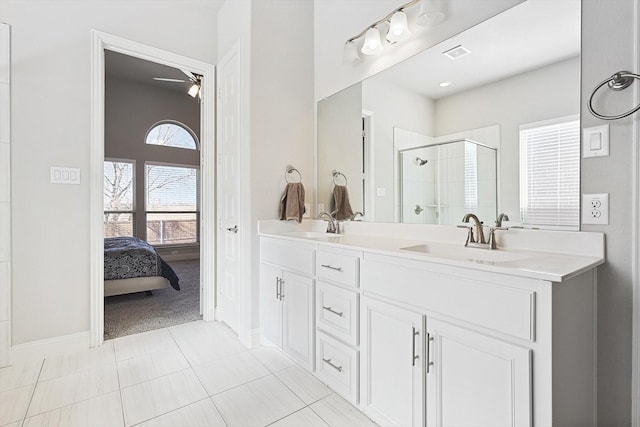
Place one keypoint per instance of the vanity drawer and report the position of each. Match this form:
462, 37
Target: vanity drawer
339, 266
338, 366
337, 312
481, 301
293, 256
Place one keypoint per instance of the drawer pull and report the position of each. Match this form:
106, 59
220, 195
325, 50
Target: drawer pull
328, 362
429, 358
330, 267
337, 313
414, 356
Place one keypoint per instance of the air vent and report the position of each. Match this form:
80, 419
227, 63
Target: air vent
456, 52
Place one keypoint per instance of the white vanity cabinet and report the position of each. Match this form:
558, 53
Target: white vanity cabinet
286, 297
490, 349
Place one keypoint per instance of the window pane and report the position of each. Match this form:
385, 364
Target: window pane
118, 186
168, 229
171, 135
118, 224
171, 188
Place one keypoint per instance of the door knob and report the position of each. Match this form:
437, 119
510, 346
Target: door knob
233, 229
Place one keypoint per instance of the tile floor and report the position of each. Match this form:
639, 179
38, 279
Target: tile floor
195, 374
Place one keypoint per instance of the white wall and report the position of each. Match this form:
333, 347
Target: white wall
542, 94
277, 113
282, 108
51, 53
607, 47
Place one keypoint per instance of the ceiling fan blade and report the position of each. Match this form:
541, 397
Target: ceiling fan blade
165, 79
189, 74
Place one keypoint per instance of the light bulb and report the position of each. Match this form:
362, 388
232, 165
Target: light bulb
372, 43
350, 53
398, 27
430, 13
194, 90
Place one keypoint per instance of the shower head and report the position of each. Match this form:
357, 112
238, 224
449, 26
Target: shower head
421, 162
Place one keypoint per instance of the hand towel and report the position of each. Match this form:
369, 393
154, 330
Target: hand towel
341, 200
292, 202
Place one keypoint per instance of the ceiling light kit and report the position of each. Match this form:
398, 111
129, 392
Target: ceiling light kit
194, 79
398, 29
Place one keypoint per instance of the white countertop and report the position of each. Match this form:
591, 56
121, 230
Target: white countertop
569, 253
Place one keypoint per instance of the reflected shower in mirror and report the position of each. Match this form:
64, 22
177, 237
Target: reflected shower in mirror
441, 182
522, 67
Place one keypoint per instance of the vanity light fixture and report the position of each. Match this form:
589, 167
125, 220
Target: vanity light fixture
397, 28
194, 90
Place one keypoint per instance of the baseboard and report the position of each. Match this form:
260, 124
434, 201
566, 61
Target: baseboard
180, 257
251, 338
51, 347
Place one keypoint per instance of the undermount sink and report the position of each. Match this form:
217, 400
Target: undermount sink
311, 234
466, 254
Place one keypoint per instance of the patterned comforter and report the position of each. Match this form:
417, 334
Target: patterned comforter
128, 257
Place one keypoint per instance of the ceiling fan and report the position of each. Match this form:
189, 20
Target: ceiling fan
194, 79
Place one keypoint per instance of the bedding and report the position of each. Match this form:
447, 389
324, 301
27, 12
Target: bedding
129, 257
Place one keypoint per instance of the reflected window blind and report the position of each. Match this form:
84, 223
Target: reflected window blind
550, 173
470, 177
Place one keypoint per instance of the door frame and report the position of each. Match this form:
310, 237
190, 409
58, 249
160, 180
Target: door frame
100, 42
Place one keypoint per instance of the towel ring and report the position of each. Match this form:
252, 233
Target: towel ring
619, 81
290, 169
336, 176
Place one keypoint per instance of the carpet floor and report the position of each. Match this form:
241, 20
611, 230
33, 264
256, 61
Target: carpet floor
134, 313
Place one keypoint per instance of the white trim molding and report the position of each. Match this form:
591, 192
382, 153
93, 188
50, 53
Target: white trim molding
51, 347
100, 42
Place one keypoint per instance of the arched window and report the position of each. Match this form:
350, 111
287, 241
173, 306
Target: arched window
172, 134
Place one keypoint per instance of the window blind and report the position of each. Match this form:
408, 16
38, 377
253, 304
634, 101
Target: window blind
550, 173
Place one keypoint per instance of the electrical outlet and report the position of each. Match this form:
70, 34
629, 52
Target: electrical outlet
595, 209
307, 210
320, 208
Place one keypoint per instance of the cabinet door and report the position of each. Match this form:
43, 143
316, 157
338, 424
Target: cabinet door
298, 334
270, 304
392, 364
476, 380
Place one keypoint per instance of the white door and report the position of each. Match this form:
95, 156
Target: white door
297, 335
229, 277
476, 380
393, 364
271, 304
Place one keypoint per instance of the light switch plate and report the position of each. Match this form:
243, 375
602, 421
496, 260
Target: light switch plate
595, 141
595, 209
61, 175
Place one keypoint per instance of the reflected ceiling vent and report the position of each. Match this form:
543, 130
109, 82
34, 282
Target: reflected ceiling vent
456, 52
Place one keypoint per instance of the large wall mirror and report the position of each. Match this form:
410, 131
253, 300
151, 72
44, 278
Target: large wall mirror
484, 122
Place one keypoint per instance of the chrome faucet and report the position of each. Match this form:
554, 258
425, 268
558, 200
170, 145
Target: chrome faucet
356, 215
477, 225
501, 217
333, 226
482, 243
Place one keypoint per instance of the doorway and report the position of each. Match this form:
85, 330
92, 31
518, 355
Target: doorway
102, 42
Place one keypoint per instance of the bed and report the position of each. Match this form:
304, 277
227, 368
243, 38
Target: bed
132, 265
